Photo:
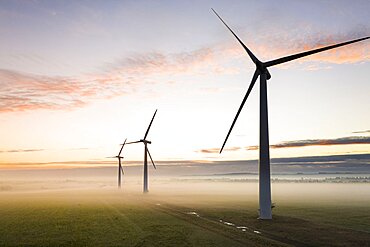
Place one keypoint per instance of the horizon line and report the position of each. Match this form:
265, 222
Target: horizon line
85, 164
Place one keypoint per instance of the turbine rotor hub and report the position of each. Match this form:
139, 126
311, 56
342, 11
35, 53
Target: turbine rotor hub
263, 70
145, 141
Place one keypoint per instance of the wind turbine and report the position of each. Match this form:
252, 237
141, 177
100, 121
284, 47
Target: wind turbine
120, 169
264, 153
146, 153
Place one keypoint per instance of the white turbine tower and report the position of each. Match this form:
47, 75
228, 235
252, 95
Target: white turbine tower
146, 153
264, 153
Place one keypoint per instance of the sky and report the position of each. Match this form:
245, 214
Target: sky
78, 77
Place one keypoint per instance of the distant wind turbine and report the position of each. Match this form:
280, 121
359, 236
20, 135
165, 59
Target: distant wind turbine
146, 153
120, 169
264, 153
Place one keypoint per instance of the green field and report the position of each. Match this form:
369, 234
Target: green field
104, 220
200, 218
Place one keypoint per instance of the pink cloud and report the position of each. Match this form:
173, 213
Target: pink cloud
156, 63
286, 42
23, 91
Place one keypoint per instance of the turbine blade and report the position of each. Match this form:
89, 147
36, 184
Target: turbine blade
307, 53
255, 76
151, 159
251, 55
132, 142
123, 173
111, 157
147, 131
122, 147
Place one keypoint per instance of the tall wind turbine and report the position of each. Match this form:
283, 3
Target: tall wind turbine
120, 169
146, 153
264, 153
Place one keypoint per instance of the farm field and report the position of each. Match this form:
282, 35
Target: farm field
179, 217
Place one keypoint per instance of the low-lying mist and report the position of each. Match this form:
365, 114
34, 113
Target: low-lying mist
65, 183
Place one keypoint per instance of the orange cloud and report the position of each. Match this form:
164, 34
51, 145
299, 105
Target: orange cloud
24, 92
217, 150
361, 132
302, 143
284, 42
21, 150
319, 142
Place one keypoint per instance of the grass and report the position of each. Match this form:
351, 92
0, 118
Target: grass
101, 220
302, 223
110, 218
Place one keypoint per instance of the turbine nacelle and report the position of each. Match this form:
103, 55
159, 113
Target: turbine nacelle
261, 68
268, 75
145, 141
